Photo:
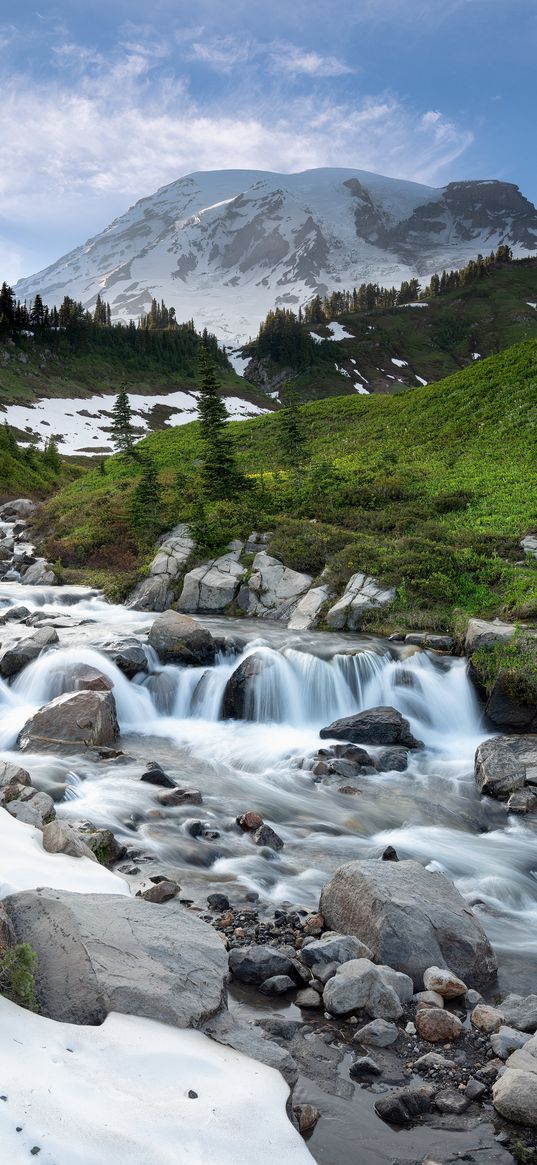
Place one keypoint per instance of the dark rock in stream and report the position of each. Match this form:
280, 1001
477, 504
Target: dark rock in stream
179, 639
128, 655
27, 650
384, 726
404, 1105
257, 963
155, 775
238, 693
72, 722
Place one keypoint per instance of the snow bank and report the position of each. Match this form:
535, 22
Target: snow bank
420, 378
119, 1094
25, 865
399, 363
338, 331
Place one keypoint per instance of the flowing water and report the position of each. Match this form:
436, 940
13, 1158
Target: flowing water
172, 714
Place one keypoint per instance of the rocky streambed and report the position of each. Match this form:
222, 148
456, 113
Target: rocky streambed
288, 842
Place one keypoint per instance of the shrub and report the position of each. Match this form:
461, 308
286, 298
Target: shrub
18, 965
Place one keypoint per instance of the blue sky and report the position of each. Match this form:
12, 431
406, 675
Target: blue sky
104, 102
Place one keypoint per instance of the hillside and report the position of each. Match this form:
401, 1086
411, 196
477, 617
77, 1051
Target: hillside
226, 246
430, 490
385, 350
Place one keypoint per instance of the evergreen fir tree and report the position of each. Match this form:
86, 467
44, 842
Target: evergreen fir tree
51, 457
146, 502
122, 430
291, 432
221, 477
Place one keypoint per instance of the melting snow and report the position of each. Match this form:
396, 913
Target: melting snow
360, 388
420, 378
533, 305
24, 864
342, 371
412, 305
338, 332
318, 339
476, 356
399, 363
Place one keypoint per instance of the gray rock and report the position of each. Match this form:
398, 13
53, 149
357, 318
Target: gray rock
265, 836
102, 842
71, 722
277, 985
161, 891
392, 760
275, 589
155, 593
27, 650
506, 1040
521, 1012
179, 639
308, 609
514, 1096
451, 1101
32, 808
481, 633
306, 1116
362, 593
380, 1033
475, 1089
434, 1062
364, 1066
255, 964
14, 615
18, 508
128, 655
410, 917
239, 692
11, 774
384, 726
180, 797
309, 997
431, 998
152, 594
99, 953
403, 1106
523, 801
60, 838
251, 1041
486, 1019
213, 586
529, 544
334, 948
435, 1025
359, 985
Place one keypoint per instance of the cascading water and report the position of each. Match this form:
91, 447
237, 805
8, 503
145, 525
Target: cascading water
298, 685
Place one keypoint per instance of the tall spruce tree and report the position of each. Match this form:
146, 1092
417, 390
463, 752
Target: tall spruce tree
292, 437
145, 504
122, 430
221, 477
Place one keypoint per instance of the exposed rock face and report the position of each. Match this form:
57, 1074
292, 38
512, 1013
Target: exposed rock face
179, 639
410, 917
508, 710
104, 952
39, 574
238, 702
497, 769
59, 838
384, 726
256, 964
17, 657
18, 508
71, 722
481, 633
308, 609
361, 594
275, 589
155, 593
83, 678
213, 586
529, 544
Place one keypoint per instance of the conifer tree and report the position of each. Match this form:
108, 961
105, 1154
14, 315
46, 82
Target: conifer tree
51, 457
291, 432
146, 502
122, 430
221, 477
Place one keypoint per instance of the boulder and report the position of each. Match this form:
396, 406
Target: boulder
359, 985
507, 1040
255, 964
27, 650
435, 1024
39, 574
514, 1096
444, 982
99, 953
333, 948
523, 801
18, 508
481, 633
274, 590
410, 917
14, 615
80, 677
432, 642
179, 639
451, 1101
497, 770
521, 1012
403, 1106
238, 701
176, 796
128, 655
11, 774
309, 997
384, 726
155, 593
31, 807
380, 1033
486, 1019
265, 836
362, 593
277, 985
102, 842
509, 711
60, 838
309, 607
213, 586
71, 722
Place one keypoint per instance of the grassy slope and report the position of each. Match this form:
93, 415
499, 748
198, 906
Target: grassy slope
485, 316
432, 491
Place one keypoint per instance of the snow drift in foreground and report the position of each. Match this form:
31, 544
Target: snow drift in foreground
25, 865
119, 1095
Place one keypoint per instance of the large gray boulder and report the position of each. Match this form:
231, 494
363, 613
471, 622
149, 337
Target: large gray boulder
127, 654
155, 593
410, 917
18, 508
308, 609
362, 593
481, 633
238, 701
359, 985
510, 711
27, 650
275, 589
213, 586
497, 769
179, 639
39, 573
514, 1096
384, 726
70, 722
99, 953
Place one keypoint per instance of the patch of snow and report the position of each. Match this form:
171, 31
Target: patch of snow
342, 371
318, 339
238, 362
533, 305
399, 363
360, 374
338, 332
119, 1093
25, 865
420, 378
476, 356
412, 305
360, 388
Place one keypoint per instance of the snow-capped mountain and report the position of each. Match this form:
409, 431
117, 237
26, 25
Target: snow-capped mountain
225, 246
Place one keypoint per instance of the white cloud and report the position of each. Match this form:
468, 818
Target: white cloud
290, 59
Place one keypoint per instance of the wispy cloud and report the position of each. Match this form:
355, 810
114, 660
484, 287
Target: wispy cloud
295, 61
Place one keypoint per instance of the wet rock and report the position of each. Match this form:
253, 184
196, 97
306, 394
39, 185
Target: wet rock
250, 821
514, 1096
277, 985
99, 953
364, 1066
218, 902
509, 711
11, 774
434, 1024
103, 843
521, 1012
161, 891
523, 801
27, 650
410, 917
71, 722
334, 948
497, 770
389, 854
506, 1040
384, 726
238, 700
486, 1019
405, 1105
60, 838
14, 615
39, 574
306, 1116
128, 655
172, 797
32, 808
392, 760
444, 982
451, 1101
380, 1033
359, 985
307, 611
308, 998
179, 639
255, 964
155, 775
81, 677
265, 836
432, 642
